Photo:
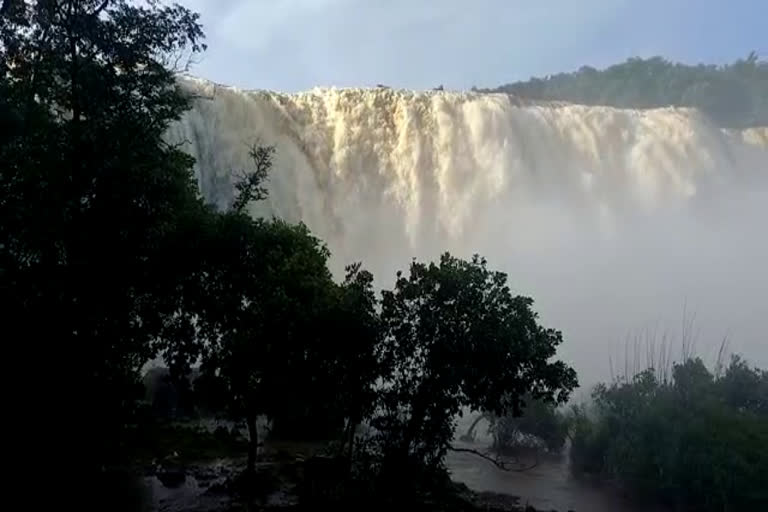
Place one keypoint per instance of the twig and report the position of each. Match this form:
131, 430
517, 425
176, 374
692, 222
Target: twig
495, 461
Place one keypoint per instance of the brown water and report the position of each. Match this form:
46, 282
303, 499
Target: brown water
548, 486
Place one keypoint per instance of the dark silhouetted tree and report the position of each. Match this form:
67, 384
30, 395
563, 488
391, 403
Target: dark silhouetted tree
275, 336
455, 337
97, 209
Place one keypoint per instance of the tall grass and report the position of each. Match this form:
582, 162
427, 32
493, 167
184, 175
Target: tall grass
660, 350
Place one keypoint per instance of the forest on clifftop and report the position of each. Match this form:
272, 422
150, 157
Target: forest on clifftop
733, 95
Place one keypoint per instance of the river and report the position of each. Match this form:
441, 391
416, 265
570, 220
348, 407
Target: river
548, 486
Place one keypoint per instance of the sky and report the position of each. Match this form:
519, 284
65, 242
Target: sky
292, 45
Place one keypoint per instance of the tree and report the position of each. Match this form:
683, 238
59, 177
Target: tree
97, 209
539, 422
745, 388
696, 441
733, 95
273, 333
264, 284
456, 337
275, 336
350, 349
333, 389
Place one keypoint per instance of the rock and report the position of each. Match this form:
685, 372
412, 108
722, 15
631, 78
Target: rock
217, 488
172, 478
203, 474
495, 502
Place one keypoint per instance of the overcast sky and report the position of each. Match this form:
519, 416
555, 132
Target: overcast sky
292, 45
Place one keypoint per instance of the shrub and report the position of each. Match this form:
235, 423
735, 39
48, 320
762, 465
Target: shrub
695, 440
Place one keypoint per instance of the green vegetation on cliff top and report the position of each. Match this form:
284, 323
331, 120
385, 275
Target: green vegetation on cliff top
733, 96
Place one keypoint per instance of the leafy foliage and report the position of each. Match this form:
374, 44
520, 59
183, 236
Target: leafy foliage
696, 440
274, 334
734, 96
96, 208
455, 337
259, 289
250, 186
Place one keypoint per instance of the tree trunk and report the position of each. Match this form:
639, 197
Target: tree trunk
351, 439
74, 89
253, 443
411, 433
470, 435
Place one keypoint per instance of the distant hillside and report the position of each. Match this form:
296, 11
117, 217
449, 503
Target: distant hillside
734, 96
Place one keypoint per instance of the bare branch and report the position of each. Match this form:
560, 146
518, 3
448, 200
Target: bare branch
177, 145
496, 461
470, 435
100, 8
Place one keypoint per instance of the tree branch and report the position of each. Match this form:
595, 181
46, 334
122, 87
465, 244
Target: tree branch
100, 8
470, 435
6, 6
496, 461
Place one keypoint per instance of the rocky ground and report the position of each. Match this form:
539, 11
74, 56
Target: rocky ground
198, 471
217, 486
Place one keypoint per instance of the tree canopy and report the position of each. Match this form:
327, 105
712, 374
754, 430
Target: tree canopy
96, 208
734, 95
455, 337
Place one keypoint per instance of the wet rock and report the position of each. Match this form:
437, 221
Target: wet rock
219, 488
203, 474
494, 502
171, 478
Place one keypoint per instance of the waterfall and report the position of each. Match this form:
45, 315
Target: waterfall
610, 218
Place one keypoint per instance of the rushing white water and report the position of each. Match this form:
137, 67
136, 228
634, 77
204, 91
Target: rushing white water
610, 218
